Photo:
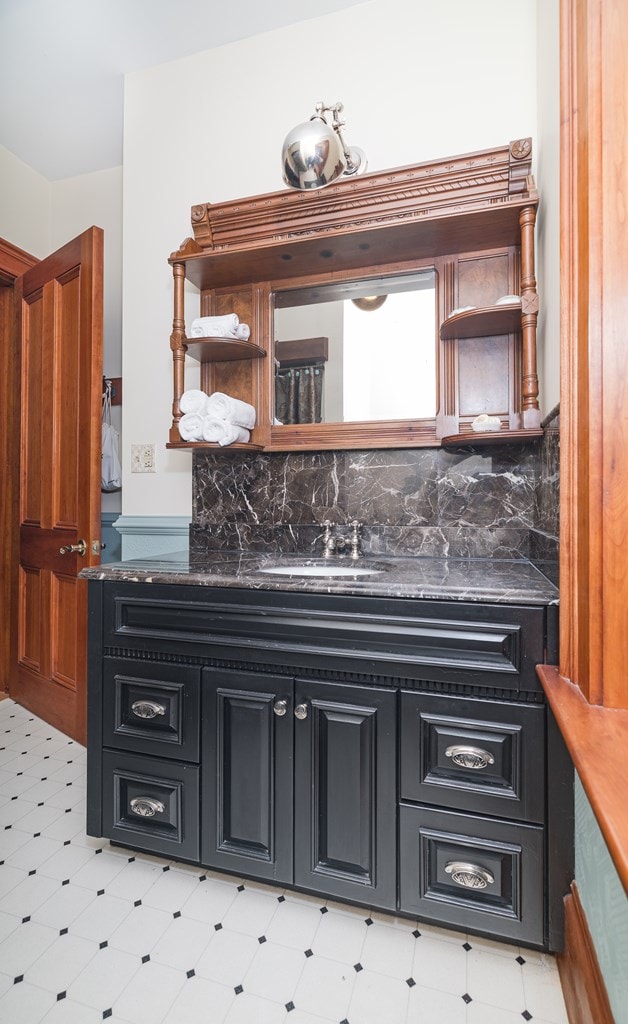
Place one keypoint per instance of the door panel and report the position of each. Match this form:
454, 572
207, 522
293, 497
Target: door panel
247, 774
345, 819
59, 494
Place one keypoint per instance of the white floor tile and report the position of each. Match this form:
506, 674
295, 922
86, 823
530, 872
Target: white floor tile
210, 901
183, 943
340, 937
64, 906
65, 862
430, 1006
24, 1002
11, 876
483, 1013
100, 918
325, 988
135, 879
8, 924
389, 950
28, 895
227, 958
20, 950
294, 924
202, 1002
377, 998
61, 963
543, 994
12, 841
171, 890
139, 932
251, 913
247, 1008
275, 972
67, 826
104, 979
441, 965
495, 980
65, 1011
302, 1017
151, 994
34, 853
98, 871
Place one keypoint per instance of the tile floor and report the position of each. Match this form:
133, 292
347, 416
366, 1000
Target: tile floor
91, 932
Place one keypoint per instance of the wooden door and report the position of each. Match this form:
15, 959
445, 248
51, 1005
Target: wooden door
59, 484
345, 791
247, 773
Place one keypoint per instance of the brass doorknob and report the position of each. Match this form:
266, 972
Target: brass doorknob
74, 549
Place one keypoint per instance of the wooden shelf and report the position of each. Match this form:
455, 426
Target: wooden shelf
471, 439
483, 322
222, 350
189, 445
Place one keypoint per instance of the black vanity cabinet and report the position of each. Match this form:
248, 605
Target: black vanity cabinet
392, 752
299, 783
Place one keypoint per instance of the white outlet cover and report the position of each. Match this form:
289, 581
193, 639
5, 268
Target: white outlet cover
143, 458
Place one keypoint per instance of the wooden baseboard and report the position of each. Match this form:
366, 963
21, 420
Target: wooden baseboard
584, 990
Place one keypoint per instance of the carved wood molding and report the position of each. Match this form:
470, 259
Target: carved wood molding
385, 197
585, 994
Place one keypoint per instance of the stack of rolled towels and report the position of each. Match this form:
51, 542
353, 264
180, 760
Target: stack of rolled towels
228, 327
217, 418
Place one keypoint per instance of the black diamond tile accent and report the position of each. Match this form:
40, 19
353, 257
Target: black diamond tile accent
14, 798
96, 852
19, 978
63, 931
138, 903
107, 1013
309, 952
1, 863
66, 881
416, 933
68, 783
146, 958
467, 998
68, 810
60, 995
101, 892
218, 927
345, 1021
177, 913
67, 842
410, 982
25, 920
281, 899
238, 990
290, 1006
202, 878
7, 827
357, 968
130, 860
520, 960
36, 835
368, 921
240, 888
32, 872
190, 974
166, 867
262, 939
526, 1015
324, 910
466, 946
41, 803
103, 945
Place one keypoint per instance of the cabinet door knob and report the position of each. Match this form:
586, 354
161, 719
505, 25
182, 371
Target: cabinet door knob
300, 711
147, 709
470, 757
280, 707
146, 807
470, 876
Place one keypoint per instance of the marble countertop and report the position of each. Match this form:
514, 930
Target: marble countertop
514, 581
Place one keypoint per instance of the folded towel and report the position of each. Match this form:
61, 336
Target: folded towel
193, 401
191, 427
232, 409
242, 332
208, 324
222, 432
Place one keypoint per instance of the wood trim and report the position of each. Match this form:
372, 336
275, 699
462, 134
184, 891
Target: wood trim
597, 740
586, 998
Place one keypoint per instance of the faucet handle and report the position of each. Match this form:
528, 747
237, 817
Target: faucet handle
356, 529
329, 542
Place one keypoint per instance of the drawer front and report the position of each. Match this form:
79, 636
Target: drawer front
151, 805
474, 873
152, 708
481, 756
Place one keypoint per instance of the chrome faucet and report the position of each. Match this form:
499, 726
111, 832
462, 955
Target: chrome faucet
335, 545
329, 541
356, 529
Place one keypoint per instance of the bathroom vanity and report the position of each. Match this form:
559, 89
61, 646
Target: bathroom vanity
379, 738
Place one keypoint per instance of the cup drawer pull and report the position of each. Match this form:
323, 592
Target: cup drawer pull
470, 757
147, 709
471, 876
146, 807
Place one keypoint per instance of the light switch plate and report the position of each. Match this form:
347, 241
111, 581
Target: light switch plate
142, 458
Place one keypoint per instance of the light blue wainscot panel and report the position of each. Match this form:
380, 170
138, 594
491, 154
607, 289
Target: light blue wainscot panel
112, 551
605, 904
150, 536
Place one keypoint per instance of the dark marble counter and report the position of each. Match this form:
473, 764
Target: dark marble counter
514, 581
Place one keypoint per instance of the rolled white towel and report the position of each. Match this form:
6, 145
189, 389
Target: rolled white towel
242, 332
222, 432
191, 427
205, 326
232, 409
193, 401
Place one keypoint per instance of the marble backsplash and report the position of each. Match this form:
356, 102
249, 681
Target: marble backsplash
485, 502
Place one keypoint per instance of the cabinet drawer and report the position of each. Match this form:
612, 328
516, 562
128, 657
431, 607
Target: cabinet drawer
151, 707
482, 756
150, 804
474, 873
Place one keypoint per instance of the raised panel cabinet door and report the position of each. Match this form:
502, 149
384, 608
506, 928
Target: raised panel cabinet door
345, 800
246, 744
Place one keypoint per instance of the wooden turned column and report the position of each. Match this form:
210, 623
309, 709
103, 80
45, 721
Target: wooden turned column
179, 348
530, 413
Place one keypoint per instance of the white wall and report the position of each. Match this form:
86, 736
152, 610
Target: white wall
548, 182
25, 198
419, 81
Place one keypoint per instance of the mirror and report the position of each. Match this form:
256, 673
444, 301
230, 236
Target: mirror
356, 351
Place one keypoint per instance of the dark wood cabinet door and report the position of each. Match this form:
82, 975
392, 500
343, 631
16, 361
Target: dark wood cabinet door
246, 804
344, 810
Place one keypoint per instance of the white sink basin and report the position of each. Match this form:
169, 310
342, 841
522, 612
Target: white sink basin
320, 570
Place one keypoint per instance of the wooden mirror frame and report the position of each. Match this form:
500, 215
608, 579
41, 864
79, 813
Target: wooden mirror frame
435, 214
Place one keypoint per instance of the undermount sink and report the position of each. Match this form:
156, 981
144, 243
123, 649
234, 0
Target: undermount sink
320, 570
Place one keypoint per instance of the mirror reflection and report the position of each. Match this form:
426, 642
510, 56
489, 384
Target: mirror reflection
356, 351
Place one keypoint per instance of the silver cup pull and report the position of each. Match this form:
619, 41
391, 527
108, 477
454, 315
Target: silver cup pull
146, 806
280, 707
470, 876
147, 709
300, 711
470, 757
